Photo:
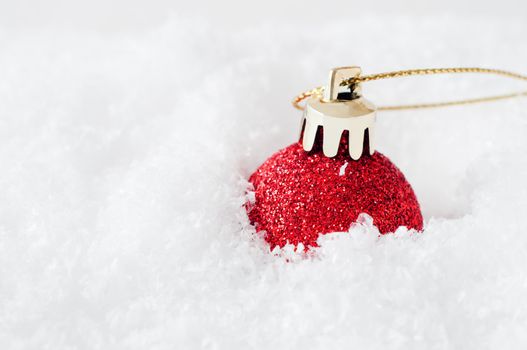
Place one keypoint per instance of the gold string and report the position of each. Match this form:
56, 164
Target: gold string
428, 71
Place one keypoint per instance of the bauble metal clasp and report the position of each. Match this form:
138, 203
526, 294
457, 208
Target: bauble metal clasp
338, 111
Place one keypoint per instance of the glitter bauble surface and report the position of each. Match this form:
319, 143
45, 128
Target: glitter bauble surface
299, 195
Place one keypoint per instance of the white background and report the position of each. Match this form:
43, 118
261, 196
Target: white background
128, 130
136, 15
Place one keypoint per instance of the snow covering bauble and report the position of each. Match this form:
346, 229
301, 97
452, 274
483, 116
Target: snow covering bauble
299, 194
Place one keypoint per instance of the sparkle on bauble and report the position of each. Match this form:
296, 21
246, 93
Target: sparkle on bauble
300, 195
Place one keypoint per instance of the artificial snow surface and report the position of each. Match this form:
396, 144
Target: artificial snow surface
124, 165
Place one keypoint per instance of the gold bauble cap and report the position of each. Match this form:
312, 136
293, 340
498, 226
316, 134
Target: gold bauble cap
336, 112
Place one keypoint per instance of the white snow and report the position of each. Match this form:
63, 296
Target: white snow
124, 164
342, 169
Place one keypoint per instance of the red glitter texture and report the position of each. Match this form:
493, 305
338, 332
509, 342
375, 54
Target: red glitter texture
299, 195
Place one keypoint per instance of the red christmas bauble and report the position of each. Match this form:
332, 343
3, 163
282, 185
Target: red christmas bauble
299, 195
